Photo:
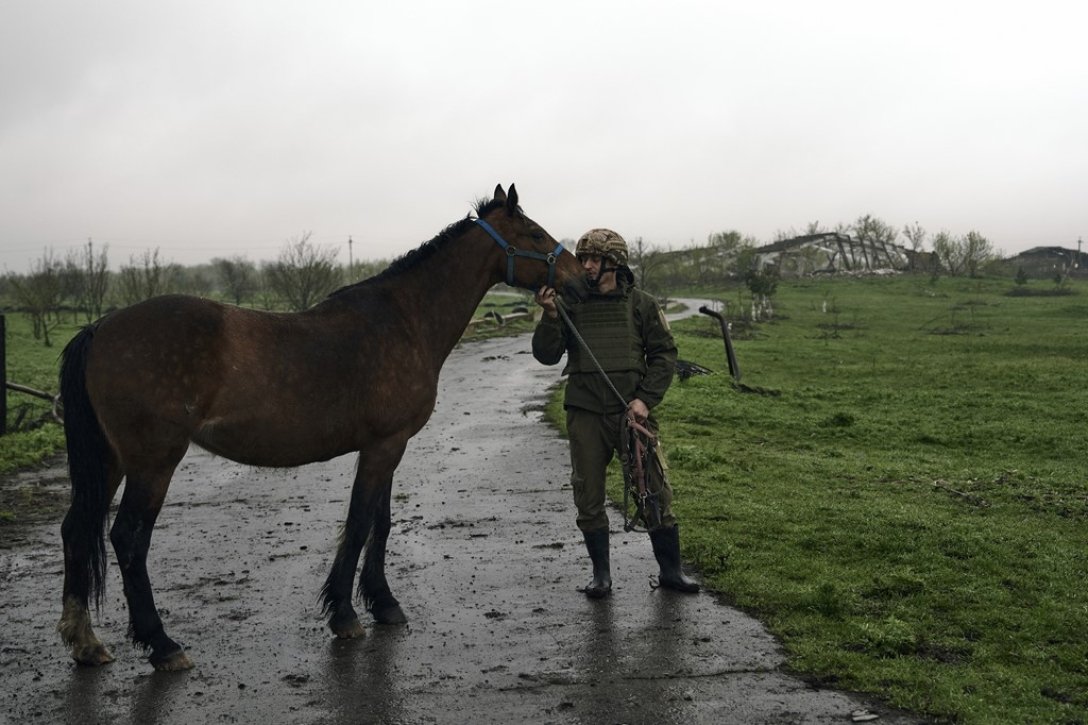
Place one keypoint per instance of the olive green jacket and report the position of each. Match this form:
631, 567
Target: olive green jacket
647, 380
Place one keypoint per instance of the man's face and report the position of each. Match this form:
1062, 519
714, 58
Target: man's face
592, 264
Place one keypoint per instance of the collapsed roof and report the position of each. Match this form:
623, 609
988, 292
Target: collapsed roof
831, 252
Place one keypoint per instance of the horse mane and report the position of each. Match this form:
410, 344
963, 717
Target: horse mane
430, 248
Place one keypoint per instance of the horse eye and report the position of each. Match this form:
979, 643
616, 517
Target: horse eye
537, 234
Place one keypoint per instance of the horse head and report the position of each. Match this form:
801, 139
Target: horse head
543, 260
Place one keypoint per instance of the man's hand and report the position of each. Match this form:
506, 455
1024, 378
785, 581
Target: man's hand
545, 297
639, 410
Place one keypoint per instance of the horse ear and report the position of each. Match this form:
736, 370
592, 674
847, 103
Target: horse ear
512, 200
500, 195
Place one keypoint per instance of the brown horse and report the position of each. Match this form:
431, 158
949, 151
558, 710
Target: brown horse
357, 372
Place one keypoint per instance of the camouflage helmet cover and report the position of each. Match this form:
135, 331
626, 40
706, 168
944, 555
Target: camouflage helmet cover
604, 243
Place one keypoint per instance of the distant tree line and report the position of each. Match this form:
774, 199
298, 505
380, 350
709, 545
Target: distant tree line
82, 286
304, 273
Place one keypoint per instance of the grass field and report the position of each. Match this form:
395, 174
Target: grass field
909, 511
32, 364
903, 499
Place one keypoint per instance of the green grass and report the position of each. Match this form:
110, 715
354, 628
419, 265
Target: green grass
32, 364
504, 304
910, 512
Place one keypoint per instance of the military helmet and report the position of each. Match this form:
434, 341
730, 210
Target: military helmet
604, 243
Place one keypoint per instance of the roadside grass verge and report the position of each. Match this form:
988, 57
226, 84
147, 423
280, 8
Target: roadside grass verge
910, 512
500, 315
33, 436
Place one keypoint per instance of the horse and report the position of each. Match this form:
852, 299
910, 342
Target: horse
358, 372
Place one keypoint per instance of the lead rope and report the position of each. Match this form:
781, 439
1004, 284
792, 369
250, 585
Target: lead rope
635, 441
639, 455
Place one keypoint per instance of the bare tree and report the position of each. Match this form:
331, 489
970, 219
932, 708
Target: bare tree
949, 253
645, 260
963, 255
874, 235
978, 252
265, 295
304, 273
760, 279
87, 278
192, 280
40, 294
869, 228
361, 270
238, 276
915, 235
698, 261
729, 248
144, 278
727, 242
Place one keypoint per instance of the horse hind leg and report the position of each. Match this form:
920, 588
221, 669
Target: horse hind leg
76, 631
74, 626
131, 538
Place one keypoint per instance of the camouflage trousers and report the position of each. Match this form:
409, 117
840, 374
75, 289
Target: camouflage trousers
594, 441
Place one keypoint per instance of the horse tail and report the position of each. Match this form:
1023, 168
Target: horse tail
89, 458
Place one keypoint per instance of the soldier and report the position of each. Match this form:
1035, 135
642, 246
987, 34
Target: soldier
628, 334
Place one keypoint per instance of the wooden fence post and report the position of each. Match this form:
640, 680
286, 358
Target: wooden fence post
3, 376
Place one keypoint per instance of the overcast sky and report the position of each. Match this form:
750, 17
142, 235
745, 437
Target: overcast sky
219, 128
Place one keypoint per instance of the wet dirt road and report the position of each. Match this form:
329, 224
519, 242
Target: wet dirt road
484, 557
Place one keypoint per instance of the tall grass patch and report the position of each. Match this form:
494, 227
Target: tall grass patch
909, 511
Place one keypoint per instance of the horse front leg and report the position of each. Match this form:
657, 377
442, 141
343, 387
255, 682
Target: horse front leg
372, 584
367, 521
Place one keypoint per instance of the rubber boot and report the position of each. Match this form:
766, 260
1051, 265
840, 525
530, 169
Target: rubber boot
666, 543
597, 546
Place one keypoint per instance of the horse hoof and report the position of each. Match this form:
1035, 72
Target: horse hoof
390, 615
173, 662
93, 656
351, 629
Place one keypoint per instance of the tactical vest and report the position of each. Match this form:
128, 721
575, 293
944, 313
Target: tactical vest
608, 327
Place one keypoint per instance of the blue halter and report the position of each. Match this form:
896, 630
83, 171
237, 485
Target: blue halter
511, 252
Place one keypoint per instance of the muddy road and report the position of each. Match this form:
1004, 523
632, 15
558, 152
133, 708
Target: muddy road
484, 557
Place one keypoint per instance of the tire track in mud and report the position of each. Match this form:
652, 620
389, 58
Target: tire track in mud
485, 558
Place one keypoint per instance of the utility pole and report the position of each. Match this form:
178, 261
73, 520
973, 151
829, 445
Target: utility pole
1078, 252
350, 264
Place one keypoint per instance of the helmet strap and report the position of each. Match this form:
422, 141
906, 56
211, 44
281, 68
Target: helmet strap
595, 282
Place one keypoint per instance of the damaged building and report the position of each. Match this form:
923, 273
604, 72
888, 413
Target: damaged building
835, 252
